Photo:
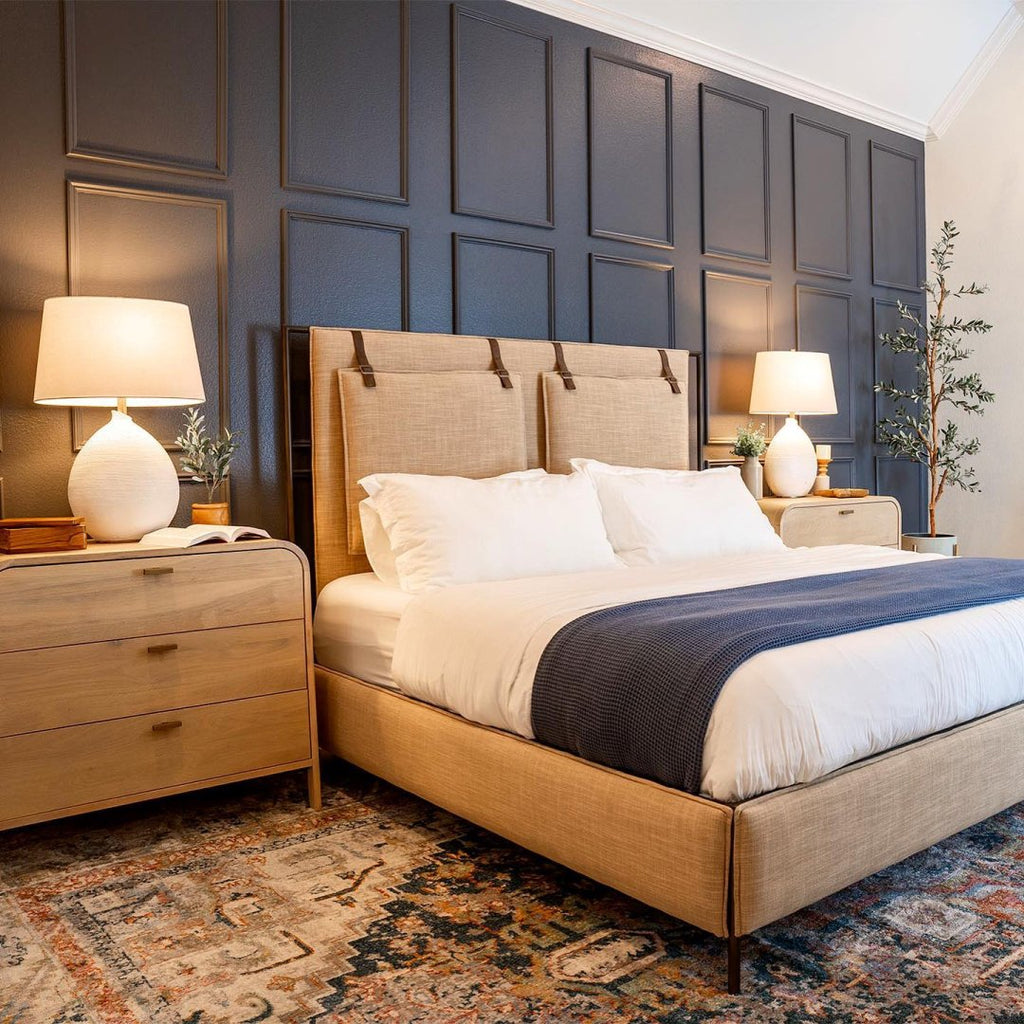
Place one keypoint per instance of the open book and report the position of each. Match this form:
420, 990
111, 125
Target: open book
200, 533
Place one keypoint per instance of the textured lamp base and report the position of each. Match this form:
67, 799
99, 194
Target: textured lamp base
123, 482
790, 464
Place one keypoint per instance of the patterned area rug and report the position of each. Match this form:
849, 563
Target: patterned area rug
241, 905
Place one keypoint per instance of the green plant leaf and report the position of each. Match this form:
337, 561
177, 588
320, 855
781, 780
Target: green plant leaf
937, 345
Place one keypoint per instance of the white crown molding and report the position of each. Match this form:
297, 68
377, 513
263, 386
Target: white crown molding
679, 45
976, 71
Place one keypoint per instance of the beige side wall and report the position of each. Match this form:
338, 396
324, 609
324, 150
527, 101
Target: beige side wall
974, 175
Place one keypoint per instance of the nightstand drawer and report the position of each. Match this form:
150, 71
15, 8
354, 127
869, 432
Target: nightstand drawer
847, 522
112, 599
128, 759
60, 686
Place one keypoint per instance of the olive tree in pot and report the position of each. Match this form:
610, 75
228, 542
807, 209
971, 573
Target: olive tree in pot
920, 426
207, 460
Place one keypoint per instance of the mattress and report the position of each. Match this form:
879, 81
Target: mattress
355, 625
786, 716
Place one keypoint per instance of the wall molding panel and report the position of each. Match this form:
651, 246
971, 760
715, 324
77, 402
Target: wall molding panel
629, 151
117, 244
842, 471
502, 146
353, 136
735, 176
885, 319
897, 221
822, 200
632, 302
112, 120
824, 323
345, 273
738, 323
470, 165
517, 309
906, 482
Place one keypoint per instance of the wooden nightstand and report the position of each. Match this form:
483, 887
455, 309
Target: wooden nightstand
812, 522
128, 673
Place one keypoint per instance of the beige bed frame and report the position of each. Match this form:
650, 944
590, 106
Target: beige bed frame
728, 869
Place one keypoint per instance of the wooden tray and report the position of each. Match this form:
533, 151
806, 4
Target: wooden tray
842, 492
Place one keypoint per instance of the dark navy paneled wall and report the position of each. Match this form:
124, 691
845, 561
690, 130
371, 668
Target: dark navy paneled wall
475, 167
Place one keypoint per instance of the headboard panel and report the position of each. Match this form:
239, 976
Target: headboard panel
316, 472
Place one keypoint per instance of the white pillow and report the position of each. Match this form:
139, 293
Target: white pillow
376, 543
445, 530
655, 516
594, 468
375, 537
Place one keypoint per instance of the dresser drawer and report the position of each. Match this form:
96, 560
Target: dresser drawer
846, 522
109, 599
59, 686
69, 769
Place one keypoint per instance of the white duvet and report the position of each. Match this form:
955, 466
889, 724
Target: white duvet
785, 716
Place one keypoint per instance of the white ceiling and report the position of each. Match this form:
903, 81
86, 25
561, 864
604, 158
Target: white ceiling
905, 64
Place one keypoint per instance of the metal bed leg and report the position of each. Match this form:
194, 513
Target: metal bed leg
734, 965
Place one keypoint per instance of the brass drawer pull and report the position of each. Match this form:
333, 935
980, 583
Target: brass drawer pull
158, 570
167, 726
161, 648
847, 511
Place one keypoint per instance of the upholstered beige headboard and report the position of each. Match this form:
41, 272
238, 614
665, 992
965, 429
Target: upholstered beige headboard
336, 542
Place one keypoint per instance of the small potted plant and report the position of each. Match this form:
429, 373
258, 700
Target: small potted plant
750, 445
207, 461
917, 429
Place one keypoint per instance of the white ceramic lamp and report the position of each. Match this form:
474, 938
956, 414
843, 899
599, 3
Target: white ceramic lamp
119, 353
793, 383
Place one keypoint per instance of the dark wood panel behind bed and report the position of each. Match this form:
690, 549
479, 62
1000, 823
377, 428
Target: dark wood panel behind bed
385, 161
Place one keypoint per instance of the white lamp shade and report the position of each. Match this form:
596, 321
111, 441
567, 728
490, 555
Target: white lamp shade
793, 383
94, 350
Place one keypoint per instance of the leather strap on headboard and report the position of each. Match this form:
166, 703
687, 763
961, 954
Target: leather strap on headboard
562, 369
364, 364
666, 372
499, 366
316, 356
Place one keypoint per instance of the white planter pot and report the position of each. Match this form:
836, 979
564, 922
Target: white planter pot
753, 476
925, 544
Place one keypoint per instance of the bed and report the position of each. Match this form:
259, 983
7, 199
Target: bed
728, 866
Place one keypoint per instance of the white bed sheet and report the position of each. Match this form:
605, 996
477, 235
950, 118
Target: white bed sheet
786, 716
355, 625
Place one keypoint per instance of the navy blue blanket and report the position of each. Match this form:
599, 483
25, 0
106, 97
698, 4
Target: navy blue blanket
633, 686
